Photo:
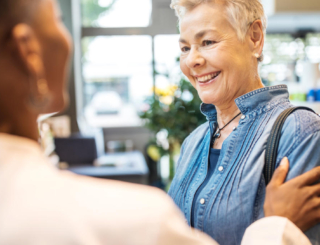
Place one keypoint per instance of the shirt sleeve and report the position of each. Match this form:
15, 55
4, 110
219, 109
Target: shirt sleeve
304, 157
274, 231
300, 141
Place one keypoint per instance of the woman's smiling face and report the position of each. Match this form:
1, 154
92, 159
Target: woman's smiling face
217, 63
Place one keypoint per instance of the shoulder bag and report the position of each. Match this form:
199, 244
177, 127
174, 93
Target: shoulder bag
273, 142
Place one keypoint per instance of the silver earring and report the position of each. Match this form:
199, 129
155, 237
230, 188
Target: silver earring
256, 55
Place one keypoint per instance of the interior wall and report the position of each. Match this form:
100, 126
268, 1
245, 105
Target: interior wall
297, 5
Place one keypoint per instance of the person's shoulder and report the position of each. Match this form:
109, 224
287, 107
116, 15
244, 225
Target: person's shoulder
62, 205
302, 123
300, 129
112, 204
118, 195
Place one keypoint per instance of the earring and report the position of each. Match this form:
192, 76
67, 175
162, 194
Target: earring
42, 86
256, 55
40, 97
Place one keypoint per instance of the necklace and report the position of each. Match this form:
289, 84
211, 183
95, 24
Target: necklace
217, 134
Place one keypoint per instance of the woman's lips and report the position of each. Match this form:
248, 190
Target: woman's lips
206, 80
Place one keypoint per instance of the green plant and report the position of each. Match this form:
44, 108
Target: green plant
175, 110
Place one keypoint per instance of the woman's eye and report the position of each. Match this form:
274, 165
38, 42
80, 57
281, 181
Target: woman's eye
185, 49
208, 42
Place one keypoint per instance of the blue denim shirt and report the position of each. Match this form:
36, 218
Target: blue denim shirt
234, 195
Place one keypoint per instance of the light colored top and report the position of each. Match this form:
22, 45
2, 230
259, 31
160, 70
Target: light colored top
274, 230
42, 205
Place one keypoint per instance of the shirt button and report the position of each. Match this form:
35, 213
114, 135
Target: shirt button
234, 128
243, 117
220, 168
202, 201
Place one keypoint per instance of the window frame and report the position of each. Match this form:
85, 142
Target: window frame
158, 26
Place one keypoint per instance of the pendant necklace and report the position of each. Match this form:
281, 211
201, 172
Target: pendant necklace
217, 133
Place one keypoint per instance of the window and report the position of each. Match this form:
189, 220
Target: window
284, 56
166, 65
117, 73
116, 13
127, 50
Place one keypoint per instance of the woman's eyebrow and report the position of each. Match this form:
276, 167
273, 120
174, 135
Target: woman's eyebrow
200, 34
181, 40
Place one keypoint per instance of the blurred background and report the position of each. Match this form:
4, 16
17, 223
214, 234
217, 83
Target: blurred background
131, 108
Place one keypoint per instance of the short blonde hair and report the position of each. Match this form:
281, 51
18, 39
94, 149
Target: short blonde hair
241, 13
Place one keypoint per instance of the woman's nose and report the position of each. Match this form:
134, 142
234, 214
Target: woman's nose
195, 59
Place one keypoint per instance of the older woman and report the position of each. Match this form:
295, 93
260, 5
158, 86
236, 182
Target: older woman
218, 183
41, 205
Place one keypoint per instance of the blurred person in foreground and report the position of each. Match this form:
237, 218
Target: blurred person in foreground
219, 184
42, 205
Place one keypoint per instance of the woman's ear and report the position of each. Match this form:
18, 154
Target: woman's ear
29, 54
256, 35
28, 49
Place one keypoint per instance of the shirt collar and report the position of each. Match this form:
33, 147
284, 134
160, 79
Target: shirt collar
254, 102
209, 111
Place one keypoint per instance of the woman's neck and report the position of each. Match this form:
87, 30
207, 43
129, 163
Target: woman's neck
23, 127
227, 113
228, 110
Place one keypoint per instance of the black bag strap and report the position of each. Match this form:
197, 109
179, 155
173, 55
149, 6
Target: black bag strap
273, 142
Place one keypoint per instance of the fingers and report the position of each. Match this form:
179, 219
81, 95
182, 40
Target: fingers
315, 190
280, 173
308, 178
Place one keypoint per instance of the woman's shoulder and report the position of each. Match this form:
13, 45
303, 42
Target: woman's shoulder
303, 123
300, 140
300, 130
